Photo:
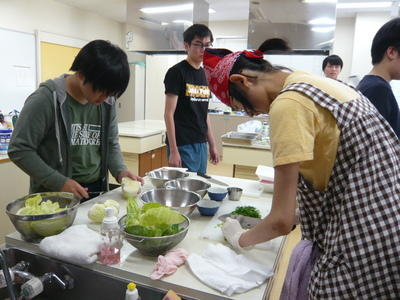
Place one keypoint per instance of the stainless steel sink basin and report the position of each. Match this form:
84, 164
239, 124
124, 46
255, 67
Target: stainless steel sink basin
88, 284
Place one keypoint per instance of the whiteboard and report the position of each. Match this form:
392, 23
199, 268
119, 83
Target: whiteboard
17, 68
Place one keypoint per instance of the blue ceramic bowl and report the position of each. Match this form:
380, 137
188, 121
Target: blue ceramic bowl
208, 207
217, 193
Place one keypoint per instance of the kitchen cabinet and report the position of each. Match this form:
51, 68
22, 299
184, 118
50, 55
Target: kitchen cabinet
151, 160
14, 184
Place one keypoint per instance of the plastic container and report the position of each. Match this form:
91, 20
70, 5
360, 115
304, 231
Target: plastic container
131, 292
110, 250
5, 136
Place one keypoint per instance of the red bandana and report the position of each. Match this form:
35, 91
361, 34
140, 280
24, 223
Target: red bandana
218, 64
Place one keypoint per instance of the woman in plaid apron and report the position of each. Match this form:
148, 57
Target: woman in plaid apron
354, 221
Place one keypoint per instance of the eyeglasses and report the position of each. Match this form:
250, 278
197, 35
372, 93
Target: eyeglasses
201, 45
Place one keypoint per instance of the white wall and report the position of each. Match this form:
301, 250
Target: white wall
366, 26
343, 45
58, 18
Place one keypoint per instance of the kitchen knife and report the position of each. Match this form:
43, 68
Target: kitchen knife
210, 179
245, 222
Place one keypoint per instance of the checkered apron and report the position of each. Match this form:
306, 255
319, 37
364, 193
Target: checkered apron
355, 222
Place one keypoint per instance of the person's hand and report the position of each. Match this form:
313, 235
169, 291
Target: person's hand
232, 232
174, 159
72, 186
214, 155
129, 174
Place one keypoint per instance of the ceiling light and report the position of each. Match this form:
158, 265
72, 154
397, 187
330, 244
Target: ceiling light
211, 11
319, 1
322, 21
166, 9
164, 23
185, 22
363, 5
323, 29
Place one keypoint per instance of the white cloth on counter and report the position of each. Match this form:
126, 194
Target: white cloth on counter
77, 244
222, 269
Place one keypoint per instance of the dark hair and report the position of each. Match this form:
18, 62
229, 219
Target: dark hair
275, 44
253, 64
104, 65
387, 36
197, 30
333, 60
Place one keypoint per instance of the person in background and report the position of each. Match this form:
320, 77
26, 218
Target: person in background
333, 155
66, 136
385, 52
274, 45
186, 106
332, 66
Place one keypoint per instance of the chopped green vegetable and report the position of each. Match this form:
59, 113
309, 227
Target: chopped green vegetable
152, 220
35, 206
248, 211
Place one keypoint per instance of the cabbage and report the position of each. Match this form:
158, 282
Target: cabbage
130, 188
152, 220
160, 215
98, 210
35, 206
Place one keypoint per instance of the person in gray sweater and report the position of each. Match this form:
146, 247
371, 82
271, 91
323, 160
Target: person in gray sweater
66, 137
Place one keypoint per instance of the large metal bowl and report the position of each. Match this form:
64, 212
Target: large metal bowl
159, 177
34, 228
154, 246
189, 184
181, 201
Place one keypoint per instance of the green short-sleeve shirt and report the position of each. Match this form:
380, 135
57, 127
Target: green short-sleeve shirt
85, 140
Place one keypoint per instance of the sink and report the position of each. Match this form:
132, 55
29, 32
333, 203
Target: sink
88, 284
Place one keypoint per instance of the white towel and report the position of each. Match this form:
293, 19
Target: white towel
77, 244
222, 269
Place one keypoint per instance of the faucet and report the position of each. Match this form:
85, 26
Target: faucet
7, 276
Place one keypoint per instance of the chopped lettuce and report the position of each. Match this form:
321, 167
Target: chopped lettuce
35, 206
152, 220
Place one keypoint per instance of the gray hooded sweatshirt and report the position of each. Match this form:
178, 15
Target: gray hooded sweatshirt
40, 143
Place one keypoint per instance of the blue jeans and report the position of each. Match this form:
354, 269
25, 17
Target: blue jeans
194, 157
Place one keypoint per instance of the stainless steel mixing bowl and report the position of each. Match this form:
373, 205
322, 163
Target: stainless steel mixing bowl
182, 201
189, 184
34, 227
161, 176
154, 246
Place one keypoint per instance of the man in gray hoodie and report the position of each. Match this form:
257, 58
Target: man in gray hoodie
66, 137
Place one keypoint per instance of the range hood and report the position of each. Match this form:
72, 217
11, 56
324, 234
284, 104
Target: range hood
286, 19
304, 25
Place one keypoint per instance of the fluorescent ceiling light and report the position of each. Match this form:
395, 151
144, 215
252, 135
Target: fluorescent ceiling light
319, 1
166, 9
363, 5
186, 22
164, 23
322, 21
211, 11
323, 29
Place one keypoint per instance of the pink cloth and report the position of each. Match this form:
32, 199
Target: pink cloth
169, 263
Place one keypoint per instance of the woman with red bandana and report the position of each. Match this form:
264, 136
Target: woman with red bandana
339, 157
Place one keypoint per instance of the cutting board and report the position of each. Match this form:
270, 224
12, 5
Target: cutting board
213, 229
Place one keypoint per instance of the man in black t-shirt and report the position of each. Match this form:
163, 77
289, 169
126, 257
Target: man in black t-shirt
186, 106
385, 52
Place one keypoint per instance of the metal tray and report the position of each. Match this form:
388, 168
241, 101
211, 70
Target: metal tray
242, 138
